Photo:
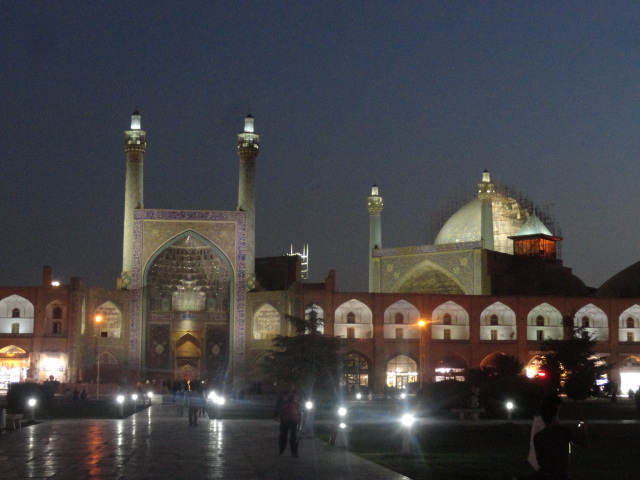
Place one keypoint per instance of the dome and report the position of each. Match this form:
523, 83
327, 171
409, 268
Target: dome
462, 226
624, 284
465, 225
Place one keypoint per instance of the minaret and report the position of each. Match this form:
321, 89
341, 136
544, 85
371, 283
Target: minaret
135, 145
486, 189
374, 206
248, 145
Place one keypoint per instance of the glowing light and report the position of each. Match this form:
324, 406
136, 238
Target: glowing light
134, 397
358, 396
343, 425
55, 283
308, 405
120, 398
248, 125
32, 402
407, 419
510, 405
403, 395
135, 121
342, 411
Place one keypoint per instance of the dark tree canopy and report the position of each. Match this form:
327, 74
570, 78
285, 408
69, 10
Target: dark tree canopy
308, 359
570, 363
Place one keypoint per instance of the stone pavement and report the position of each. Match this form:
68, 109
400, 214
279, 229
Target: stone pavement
154, 443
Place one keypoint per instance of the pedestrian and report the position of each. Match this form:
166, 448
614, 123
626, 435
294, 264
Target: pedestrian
538, 425
288, 412
552, 444
179, 399
194, 403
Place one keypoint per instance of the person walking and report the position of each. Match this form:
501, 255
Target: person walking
288, 412
195, 401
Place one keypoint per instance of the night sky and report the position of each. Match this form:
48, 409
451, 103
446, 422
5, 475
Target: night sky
418, 97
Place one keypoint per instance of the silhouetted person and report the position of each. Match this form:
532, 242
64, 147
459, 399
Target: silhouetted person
288, 412
552, 445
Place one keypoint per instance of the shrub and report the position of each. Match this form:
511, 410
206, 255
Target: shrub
19, 394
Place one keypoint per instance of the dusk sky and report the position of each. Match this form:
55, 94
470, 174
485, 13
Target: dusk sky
418, 97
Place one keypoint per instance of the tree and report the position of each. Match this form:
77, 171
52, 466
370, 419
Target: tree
571, 363
308, 359
500, 366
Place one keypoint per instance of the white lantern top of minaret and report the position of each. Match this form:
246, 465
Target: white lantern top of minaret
248, 124
374, 190
135, 121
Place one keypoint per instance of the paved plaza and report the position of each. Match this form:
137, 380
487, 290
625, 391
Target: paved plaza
155, 443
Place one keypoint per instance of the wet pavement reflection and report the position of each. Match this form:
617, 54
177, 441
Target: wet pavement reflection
154, 443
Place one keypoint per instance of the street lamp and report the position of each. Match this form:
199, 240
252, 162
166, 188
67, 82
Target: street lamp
98, 319
32, 404
421, 324
120, 400
407, 420
509, 410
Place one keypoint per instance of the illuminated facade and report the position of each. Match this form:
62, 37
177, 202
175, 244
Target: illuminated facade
193, 301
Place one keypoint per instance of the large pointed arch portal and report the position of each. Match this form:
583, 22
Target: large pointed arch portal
188, 298
187, 294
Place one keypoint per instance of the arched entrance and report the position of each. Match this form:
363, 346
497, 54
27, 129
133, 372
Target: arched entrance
188, 307
188, 354
401, 371
355, 371
14, 364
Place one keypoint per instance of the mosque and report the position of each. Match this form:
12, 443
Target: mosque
193, 301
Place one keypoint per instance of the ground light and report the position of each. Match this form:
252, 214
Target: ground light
407, 420
32, 403
120, 400
510, 406
307, 420
150, 395
340, 434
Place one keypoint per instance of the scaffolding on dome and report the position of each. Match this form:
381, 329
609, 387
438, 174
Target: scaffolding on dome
463, 195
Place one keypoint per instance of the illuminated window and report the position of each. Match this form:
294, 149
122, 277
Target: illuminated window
585, 322
351, 333
494, 319
57, 328
399, 333
57, 313
630, 322
629, 336
446, 320
494, 334
15, 313
112, 320
351, 317
15, 328
540, 335
447, 334
540, 321
266, 322
399, 318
